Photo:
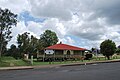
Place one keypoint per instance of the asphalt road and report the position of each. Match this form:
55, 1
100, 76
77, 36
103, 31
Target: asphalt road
103, 71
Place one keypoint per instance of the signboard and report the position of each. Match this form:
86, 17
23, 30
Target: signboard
49, 51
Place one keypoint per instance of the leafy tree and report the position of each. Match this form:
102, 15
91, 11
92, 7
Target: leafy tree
48, 38
13, 51
7, 21
107, 48
23, 42
118, 50
4, 44
33, 46
28, 44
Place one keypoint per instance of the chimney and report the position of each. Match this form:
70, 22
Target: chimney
60, 42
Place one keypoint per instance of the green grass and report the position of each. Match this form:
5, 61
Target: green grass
46, 63
78, 61
4, 64
63, 62
10, 61
7, 58
117, 57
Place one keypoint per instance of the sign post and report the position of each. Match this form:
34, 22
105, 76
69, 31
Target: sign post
49, 52
32, 60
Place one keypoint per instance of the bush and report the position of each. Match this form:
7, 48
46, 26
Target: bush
88, 56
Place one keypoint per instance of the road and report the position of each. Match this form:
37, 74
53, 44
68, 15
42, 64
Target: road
102, 71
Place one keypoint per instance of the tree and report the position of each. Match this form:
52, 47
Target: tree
33, 46
48, 38
4, 44
7, 21
107, 48
23, 42
28, 44
13, 51
118, 50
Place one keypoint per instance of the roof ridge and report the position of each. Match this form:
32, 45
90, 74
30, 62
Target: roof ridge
71, 45
64, 47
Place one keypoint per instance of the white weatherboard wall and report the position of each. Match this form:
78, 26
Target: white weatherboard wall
65, 52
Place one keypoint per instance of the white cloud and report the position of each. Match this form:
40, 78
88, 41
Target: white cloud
90, 20
16, 6
34, 27
61, 9
19, 29
61, 29
70, 40
91, 30
54, 25
67, 40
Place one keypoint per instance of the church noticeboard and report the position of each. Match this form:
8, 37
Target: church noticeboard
49, 51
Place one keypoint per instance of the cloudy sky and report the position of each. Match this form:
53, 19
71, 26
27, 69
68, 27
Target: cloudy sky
83, 23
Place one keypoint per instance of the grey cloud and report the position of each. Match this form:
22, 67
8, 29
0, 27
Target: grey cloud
59, 14
16, 6
50, 9
63, 9
51, 24
90, 30
107, 9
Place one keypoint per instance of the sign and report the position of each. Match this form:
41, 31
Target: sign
49, 51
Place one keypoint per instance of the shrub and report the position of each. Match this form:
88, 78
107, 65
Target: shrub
88, 56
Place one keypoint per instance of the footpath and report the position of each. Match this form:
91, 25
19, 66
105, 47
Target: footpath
56, 65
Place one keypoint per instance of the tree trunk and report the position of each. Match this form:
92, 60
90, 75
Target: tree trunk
108, 57
0, 51
0, 54
1, 44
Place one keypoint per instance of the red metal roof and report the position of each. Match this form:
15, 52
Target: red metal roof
64, 47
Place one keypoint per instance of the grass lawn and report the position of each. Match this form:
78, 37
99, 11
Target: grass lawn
10, 61
46, 63
63, 62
